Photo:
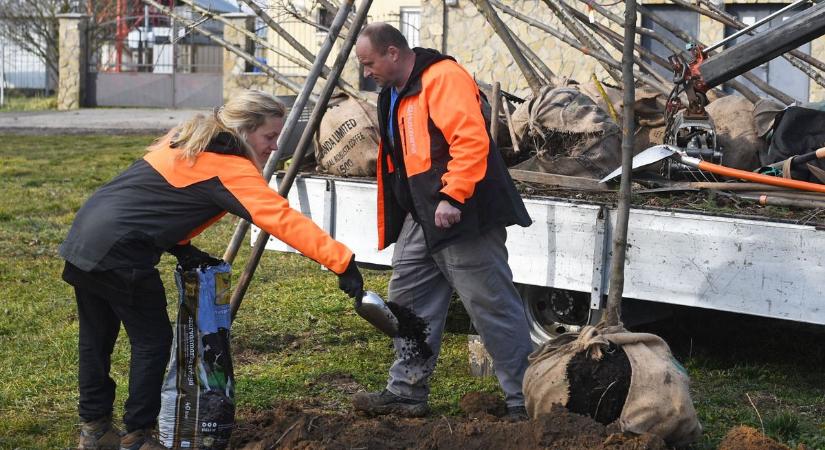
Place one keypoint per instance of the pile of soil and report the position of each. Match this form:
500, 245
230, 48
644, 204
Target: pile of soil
306, 426
598, 388
747, 438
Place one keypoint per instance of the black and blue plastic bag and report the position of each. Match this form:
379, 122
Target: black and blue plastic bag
197, 399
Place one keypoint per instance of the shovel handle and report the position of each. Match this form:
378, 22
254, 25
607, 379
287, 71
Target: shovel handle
755, 177
810, 156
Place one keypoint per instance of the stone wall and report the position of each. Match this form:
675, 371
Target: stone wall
476, 45
72, 61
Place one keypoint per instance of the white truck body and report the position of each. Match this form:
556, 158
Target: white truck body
744, 265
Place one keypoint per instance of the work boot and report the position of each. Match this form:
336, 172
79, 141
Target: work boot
99, 434
385, 402
516, 414
140, 440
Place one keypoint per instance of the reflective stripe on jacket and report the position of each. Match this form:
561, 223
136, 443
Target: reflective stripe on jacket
441, 151
162, 200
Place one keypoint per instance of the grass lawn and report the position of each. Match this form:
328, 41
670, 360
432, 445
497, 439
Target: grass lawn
19, 102
295, 329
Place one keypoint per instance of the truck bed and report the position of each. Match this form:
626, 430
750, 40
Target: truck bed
755, 265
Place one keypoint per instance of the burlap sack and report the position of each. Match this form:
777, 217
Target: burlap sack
568, 133
735, 132
346, 143
658, 400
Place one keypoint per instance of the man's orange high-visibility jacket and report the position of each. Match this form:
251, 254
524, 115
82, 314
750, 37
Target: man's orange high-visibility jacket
441, 150
162, 200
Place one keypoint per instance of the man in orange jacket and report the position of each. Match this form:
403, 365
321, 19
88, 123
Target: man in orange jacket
444, 199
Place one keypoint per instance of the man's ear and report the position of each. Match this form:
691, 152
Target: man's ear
393, 53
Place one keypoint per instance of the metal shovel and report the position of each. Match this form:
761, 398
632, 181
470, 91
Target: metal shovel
660, 152
372, 308
652, 155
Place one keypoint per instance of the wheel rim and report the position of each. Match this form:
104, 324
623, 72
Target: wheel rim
552, 312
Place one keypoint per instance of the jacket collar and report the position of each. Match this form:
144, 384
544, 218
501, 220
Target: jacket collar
424, 58
225, 143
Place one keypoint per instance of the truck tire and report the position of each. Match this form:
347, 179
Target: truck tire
551, 312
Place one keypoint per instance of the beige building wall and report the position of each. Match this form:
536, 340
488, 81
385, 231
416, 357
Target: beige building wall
312, 38
475, 44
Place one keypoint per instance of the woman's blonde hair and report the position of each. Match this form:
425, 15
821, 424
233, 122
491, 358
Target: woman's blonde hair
242, 114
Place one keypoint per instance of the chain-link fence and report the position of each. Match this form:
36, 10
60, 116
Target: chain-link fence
156, 45
21, 70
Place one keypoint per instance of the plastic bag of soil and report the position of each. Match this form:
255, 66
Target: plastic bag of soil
614, 376
197, 399
346, 143
568, 134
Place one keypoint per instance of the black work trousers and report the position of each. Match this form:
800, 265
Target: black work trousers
101, 309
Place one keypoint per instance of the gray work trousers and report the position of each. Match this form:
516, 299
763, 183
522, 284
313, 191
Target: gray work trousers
478, 271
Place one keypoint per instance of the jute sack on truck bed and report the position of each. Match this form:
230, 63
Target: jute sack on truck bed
658, 400
736, 133
568, 133
346, 143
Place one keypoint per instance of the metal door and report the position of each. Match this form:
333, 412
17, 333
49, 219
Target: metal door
687, 21
157, 64
777, 72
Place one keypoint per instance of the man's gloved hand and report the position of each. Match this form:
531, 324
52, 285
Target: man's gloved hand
190, 257
351, 281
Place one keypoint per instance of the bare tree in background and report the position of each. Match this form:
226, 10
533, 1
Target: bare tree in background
32, 25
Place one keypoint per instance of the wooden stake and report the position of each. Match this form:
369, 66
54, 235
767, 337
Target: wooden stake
503, 33
495, 106
614, 298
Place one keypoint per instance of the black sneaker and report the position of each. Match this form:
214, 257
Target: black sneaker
517, 414
385, 402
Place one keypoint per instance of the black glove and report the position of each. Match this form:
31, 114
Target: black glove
351, 281
190, 257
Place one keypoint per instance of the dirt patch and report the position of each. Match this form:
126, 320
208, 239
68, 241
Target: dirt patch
598, 389
305, 426
747, 438
480, 405
340, 382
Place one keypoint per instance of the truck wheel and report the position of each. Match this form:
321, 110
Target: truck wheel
551, 312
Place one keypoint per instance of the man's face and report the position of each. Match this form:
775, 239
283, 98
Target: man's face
381, 68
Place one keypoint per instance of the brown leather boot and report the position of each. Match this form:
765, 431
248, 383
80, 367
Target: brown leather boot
99, 434
141, 440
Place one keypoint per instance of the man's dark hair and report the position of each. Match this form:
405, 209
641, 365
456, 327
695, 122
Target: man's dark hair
383, 35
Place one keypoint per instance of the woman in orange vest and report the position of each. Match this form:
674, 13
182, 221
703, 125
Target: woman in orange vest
187, 180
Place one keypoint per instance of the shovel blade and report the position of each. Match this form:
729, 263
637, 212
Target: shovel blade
373, 309
644, 158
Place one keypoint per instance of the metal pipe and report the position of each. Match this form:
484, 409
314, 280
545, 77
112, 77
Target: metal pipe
306, 139
797, 58
293, 117
616, 288
768, 89
768, 18
796, 53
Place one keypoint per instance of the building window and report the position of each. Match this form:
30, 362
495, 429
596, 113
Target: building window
325, 17
409, 24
